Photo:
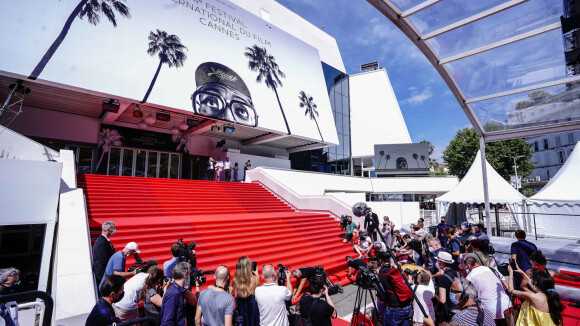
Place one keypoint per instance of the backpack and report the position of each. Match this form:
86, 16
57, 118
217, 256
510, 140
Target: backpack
300, 320
402, 291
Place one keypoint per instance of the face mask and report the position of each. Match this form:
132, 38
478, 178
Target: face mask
187, 283
453, 298
119, 297
113, 232
431, 250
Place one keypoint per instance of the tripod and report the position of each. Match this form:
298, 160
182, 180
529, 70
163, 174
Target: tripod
362, 293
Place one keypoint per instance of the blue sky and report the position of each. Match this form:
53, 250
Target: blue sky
364, 35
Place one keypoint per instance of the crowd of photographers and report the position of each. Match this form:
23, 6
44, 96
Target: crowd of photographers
450, 272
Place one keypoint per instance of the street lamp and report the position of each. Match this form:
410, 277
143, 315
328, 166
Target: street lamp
515, 166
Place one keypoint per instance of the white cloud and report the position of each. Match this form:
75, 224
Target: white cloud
418, 97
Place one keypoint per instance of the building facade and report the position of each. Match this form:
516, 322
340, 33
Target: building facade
550, 152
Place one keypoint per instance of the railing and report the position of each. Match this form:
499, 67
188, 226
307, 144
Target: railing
299, 202
45, 307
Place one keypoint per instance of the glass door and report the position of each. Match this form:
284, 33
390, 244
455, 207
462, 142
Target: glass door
141, 163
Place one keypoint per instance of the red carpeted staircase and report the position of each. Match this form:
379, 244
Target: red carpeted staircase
226, 220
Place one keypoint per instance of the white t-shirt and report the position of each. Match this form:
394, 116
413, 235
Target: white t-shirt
133, 288
490, 291
227, 165
424, 293
420, 234
271, 302
366, 243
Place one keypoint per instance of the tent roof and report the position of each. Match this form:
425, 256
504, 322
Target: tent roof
470, 189
564, 187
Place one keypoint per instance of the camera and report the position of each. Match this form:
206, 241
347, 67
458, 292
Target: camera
138, 265
198, 277
343, 220
414, 273
319, 271
369, 280
281, 274
185, 252
362, 235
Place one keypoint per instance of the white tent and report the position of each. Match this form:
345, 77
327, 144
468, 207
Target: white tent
470, 190
561, 196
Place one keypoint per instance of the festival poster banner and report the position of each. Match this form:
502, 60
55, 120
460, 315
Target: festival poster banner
209, 57
401, 157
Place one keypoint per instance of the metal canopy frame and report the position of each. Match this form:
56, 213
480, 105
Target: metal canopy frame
402, 20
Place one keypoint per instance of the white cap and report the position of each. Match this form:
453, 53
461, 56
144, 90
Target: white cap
133, 246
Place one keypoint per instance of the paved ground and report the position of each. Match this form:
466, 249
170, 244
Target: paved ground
344, 302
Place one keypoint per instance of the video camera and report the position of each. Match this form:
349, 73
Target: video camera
198, 277
185, 252
370, 280
343, 221
319, 271
281, 274
138, 265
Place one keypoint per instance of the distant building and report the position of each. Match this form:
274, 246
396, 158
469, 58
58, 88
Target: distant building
549, 152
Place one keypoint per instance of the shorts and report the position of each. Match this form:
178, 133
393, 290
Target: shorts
348, 237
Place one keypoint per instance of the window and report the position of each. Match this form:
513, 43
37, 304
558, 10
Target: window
570, 138
547, 158
545, 144
536, 147
558, 141
561, 157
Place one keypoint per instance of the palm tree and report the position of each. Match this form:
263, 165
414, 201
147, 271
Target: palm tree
307, 102
170, 51
381, 153
423, 159
93, 10
388, 157
108, 138
268, 71
415, 156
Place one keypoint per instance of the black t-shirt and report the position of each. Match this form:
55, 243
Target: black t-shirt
445, 281
354, 263
321, 310
307, 272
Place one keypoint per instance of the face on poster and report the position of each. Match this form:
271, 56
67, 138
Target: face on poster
209, 57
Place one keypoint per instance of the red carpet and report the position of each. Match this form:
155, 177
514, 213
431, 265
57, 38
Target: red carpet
227, 220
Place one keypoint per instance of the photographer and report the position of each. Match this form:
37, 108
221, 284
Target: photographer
271, 298
179, 249
349, 227
397, 312
216, 305
127, 309
173, 310
371, 224
116, 264
353, 264
305, 273
319, 311
365, 245
425, 291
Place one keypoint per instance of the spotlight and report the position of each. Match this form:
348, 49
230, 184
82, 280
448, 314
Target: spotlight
111, 106
142, 125
163, 116
229, 129
192, 122
149, 119
183, 126
174, 130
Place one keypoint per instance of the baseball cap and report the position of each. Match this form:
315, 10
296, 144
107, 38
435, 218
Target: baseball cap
133, 246
216, 73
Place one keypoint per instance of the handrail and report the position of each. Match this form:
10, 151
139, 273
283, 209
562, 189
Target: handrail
32, 296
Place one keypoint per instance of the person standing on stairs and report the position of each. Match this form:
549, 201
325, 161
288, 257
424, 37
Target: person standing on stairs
210, 169
247, 166
236, 169
103, 250
372, 224
228, 169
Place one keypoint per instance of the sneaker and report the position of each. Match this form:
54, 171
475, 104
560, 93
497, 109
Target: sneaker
340, 289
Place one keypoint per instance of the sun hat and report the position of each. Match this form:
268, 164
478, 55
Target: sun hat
445, 257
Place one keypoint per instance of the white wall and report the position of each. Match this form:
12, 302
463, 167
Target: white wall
34, 122
375, 116
400, 213
17, 147
297, 26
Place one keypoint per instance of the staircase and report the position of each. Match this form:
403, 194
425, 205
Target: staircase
227, 220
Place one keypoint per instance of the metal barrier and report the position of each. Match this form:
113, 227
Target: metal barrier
32, 296
138, 321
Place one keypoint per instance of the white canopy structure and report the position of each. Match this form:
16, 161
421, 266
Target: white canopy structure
556, 208
471, 190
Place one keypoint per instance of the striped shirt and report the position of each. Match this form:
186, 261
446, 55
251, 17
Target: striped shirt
468, 317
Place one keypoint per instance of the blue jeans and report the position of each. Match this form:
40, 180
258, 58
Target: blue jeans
398, 316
